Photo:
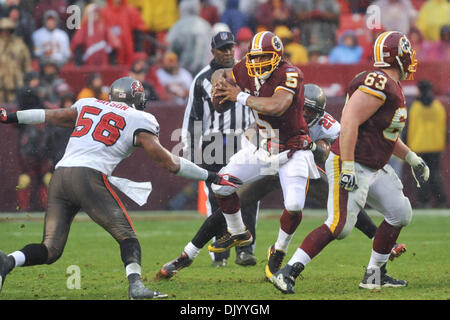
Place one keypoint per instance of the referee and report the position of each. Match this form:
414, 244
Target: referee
210, 139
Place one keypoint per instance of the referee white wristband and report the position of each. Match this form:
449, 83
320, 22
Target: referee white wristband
33, 116
190, 170
242, 98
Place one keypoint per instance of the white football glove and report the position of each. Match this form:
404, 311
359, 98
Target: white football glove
348, 179
419, 168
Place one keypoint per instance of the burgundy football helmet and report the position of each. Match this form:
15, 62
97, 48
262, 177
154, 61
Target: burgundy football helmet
392, 48
264, 43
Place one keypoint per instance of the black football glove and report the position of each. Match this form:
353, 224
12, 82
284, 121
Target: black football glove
223, 179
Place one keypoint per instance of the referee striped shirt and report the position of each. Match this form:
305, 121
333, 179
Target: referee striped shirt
203, 126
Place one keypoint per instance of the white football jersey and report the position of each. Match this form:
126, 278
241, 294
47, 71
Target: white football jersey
326, 128
105, 134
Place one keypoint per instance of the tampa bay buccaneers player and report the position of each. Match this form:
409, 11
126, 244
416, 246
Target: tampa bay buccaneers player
105, 133
372, 120
273, 88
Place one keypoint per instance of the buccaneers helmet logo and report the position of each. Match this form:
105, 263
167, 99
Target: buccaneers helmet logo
136, 86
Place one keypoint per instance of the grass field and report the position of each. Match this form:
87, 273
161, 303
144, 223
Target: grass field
334, 274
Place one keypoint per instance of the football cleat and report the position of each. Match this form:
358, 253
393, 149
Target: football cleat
219, 263
375, 279
397, 251
284, 279
228, 241
138, 290
3, 268
171, 268
274, 261
245, 258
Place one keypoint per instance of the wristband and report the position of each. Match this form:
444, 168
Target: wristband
348, 166
412, 159
190, 170
242, 98
33, 116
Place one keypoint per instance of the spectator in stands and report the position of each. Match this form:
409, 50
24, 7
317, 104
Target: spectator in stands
347, 51
427, 136
24, 24
294, 51
139, 70
49, 82
35, 166
58, 137
15, 61
50, 41
358, 6
176, 80
158, 15
438, 50
315, 55
272, 13
243, 38
318, 20
189, 37
432, 16
94, 44
94, 88
43, 6
233, 17
126, 23
398, 15
209, 12
418, 43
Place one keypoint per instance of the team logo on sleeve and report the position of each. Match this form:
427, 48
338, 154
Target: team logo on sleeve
136, 86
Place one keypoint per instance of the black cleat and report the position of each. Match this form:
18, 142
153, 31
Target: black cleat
228, 241
375, 279
284, 279
138, 290
171, 268
3, 268
245, 258
274, 261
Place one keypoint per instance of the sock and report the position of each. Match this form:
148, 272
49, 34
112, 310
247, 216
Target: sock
234, 222
385, 238
300, 256
18, 257
283, 241
133, 271
290, 221
213, 225
231, 209
316, 240
366, 225
191, 250
377, 260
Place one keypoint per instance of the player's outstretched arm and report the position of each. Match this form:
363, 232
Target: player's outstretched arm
180, 166
60, 117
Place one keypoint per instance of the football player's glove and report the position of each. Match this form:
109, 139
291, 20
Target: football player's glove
7, 117
299, 142
223, 179
347, 178
419, 168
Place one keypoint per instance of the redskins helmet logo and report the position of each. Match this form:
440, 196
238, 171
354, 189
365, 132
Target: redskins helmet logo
136, 86
404, 46
276, 43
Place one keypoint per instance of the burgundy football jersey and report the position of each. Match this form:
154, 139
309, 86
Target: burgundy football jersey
284, 77
377, 136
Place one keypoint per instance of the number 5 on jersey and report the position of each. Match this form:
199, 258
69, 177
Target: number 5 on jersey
107, 130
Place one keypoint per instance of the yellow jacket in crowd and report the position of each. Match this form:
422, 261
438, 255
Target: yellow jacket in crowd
427, 129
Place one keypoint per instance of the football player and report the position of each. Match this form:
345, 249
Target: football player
105, 132
372, 120
273, 88
324, 129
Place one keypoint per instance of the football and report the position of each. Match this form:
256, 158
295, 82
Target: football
226, 105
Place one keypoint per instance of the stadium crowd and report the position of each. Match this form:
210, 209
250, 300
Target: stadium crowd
165, 43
